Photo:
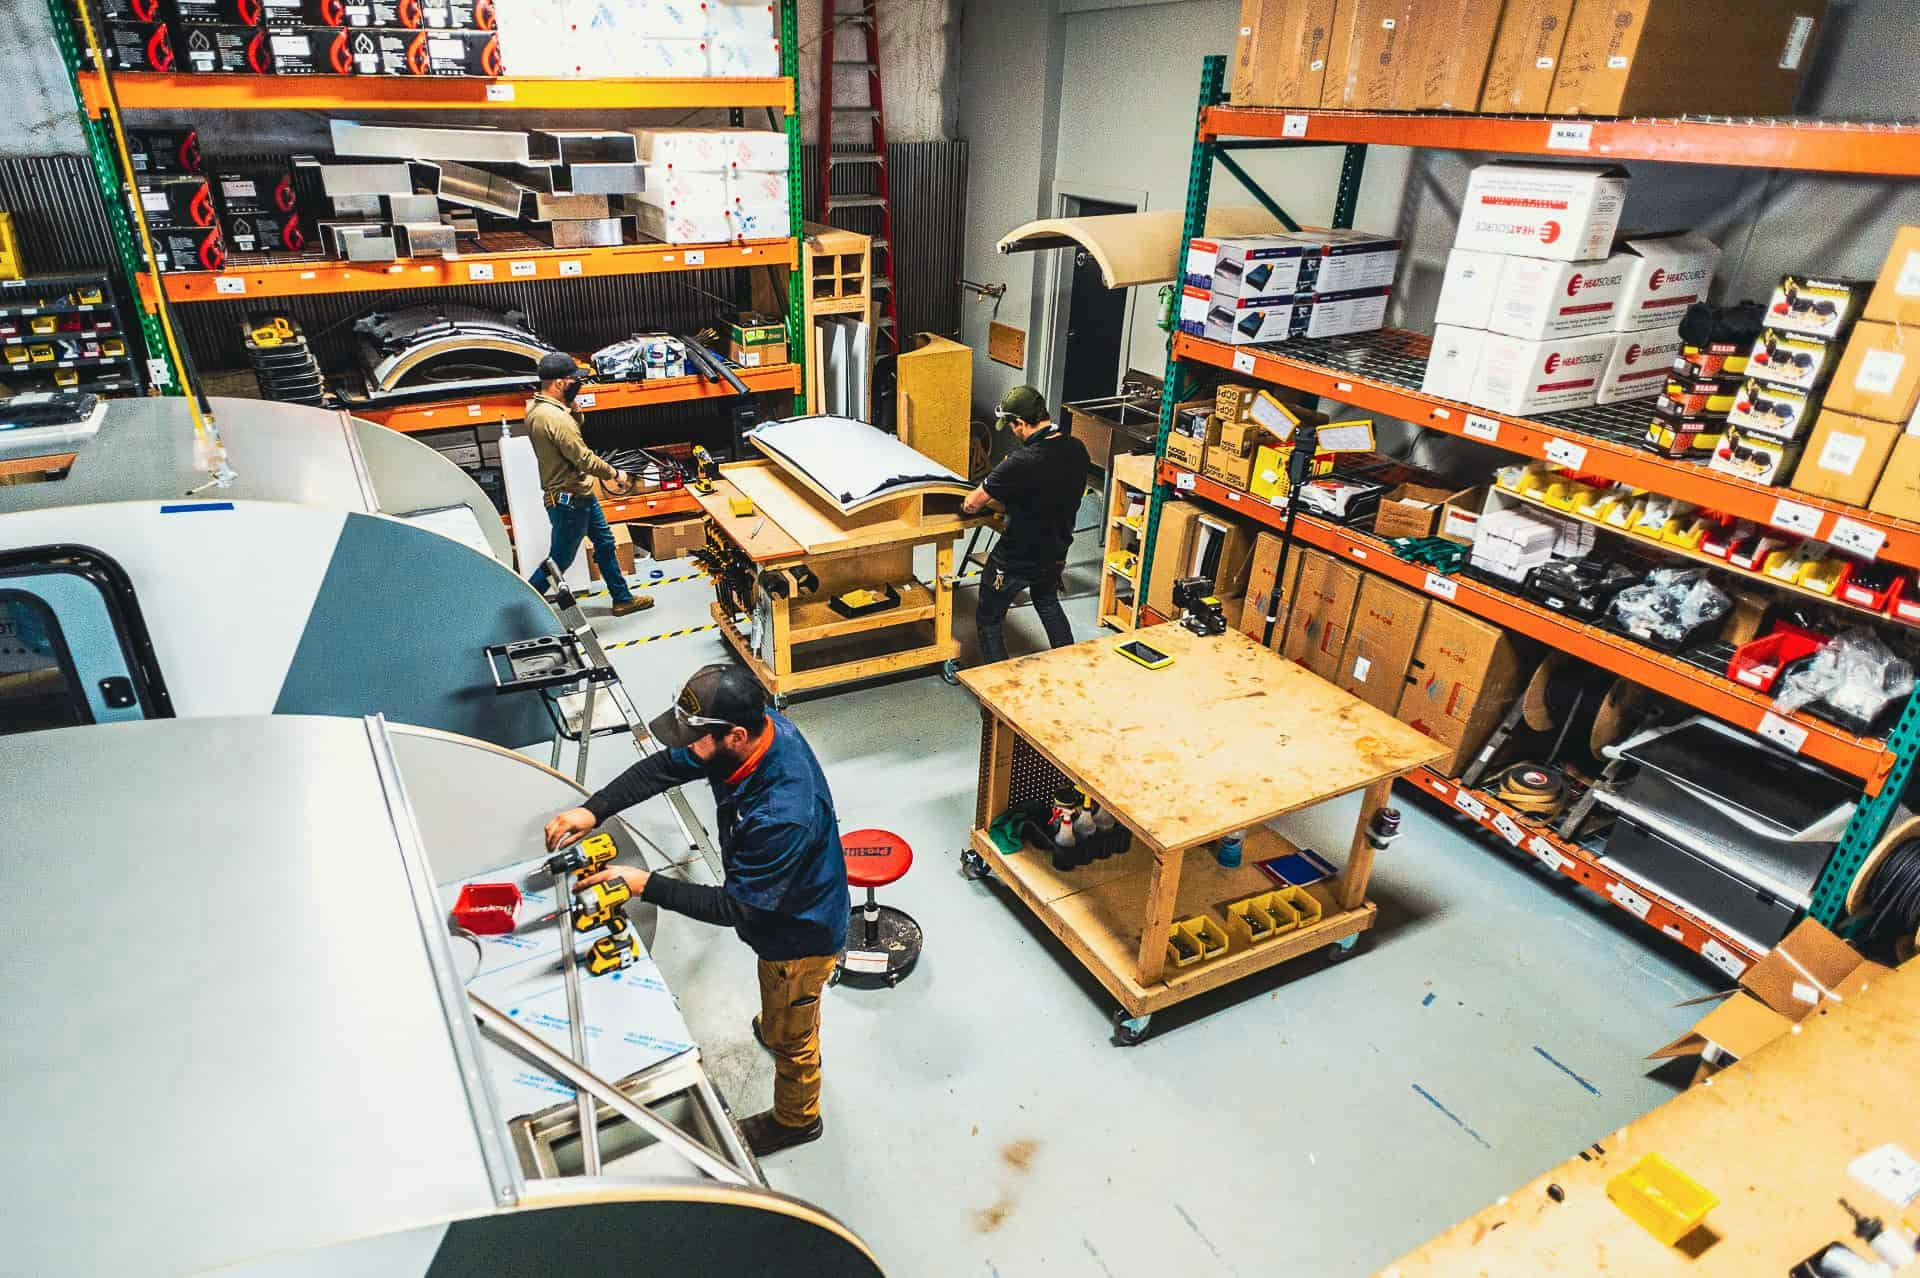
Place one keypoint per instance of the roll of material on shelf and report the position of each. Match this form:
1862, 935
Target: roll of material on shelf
1532, 790
1886, 891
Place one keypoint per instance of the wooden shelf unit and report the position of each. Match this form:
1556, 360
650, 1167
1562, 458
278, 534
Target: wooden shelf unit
836, 279
1130, 477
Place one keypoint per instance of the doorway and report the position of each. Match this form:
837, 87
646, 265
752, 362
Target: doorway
1091, 323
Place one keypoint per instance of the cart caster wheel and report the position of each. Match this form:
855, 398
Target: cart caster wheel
780, 700
893, 979
1128, 1031
973, 866
1343, 949
950, 671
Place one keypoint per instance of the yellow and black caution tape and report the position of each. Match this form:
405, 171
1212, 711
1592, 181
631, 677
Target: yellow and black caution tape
638, 584
667, 634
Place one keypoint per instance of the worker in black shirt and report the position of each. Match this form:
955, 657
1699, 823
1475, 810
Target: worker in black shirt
786, 878
1038, 484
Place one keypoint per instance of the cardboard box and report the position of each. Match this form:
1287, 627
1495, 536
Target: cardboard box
1181, 550
1640, 365
1224, 466
1454, 362
1261, 571
1281, 59
1233, 402
1185, 450
1753, 455
1816, 305
1410, 510
1322, 614
1451, 43
1526, 53
1769, 408
1809, 969
1460, 516
1794, 359
1896, 294
1665, 275
757, 356
1387, 620
673, 538
1538, 298
1898, 493
1468, 288
1343, 261
1845, 457
1562, 211
1256, 266
622, 549
1364, 53
1879, 376
1523, 377
1236, 438
1463, 676
1672, 57
1243, 321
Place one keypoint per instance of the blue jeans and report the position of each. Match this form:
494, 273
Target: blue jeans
574, 517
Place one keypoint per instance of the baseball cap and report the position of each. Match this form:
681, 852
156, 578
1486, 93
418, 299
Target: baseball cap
1024, 402
557, 364
716, 698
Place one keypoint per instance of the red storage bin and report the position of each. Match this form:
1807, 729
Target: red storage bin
1757, 663
487, 909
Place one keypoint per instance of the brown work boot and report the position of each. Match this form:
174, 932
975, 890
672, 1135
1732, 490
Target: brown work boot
639, 603
768, 1135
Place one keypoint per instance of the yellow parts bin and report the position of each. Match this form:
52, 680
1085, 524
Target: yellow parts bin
1661, 1199
12, 266
1255, 919
1194, 940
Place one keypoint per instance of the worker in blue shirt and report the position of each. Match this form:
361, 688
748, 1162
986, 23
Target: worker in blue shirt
785, 891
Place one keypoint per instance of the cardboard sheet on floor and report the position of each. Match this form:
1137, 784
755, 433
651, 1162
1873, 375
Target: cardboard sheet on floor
633, 1020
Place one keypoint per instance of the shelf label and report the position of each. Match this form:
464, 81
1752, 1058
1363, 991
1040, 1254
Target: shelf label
1243, 361
1561, 453
499, 92
1782, 732
309, 275
1293, 126
1358, 552
1856, 538
1232, 495
1795, 518
1183, 480
1509, 829
1629, 900
1549, 855
695, 257
1723, 958
473, 410
479, 270
1478, 427
570, 268
521, 268
230, 284
1570, 137
1470, 805
1444, 587
158, 373
586, 399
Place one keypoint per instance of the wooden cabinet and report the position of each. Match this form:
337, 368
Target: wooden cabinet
1129, 484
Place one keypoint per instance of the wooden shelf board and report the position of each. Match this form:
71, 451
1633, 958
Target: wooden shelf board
811, 619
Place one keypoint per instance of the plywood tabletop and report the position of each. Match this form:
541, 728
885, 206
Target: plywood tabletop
757, 534
789, 521
1228, 736
1771, 1136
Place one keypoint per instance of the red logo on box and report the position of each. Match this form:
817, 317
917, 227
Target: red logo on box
1549, 232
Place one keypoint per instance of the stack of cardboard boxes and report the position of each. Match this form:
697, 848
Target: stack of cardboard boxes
1864, 448
1240, 438
1527, 57
1268, 288
1431, 665
1541, 309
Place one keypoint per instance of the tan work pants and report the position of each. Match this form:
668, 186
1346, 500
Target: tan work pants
790, 1024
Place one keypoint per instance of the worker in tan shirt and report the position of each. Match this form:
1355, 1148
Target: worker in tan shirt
567, 471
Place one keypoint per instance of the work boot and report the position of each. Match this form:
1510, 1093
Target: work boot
768, 1135
757, 1037
639, 603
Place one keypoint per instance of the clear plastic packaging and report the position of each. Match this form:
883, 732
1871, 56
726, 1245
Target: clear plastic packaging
1856, 675
1670, 606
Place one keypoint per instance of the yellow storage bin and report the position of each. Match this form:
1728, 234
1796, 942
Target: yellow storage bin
1661, 1199
1195, 940
1685, 533
1259, 918
1305, 905
1822, 575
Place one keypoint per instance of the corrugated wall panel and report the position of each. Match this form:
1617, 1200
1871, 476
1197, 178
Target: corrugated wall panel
929, 221
56, 209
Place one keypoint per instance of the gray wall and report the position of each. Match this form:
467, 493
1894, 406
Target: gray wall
916, 66
41, 112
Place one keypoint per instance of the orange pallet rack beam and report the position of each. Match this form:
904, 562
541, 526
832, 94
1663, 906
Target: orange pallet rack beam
595, 397
156, 91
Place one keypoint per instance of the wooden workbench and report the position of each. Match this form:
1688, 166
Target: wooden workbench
1228, 737
793, 526
1770, 1136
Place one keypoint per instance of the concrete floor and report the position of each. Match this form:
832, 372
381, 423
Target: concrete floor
1319, 1118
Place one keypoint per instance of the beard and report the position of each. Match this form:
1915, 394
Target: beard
723, 762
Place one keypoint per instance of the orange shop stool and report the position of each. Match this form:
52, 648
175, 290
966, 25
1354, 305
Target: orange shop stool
883, 943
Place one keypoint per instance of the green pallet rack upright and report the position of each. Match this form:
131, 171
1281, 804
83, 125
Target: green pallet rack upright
1874, 811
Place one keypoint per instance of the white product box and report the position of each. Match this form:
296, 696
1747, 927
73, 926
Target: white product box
1454, 362
1242, 321
1256, 266
1665, 275
741, 20
682, 19
1253, 318
1202, 256
1339, 261
683, 225
1640, 365
744, 57
1565, 212
1539, 298
535, 41
713, 150
1195, 302
648, 56
1467, 290
748, 223
1522, 377
1331, 314
758, 188
670, 188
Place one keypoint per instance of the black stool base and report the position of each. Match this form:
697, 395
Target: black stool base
887, 957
